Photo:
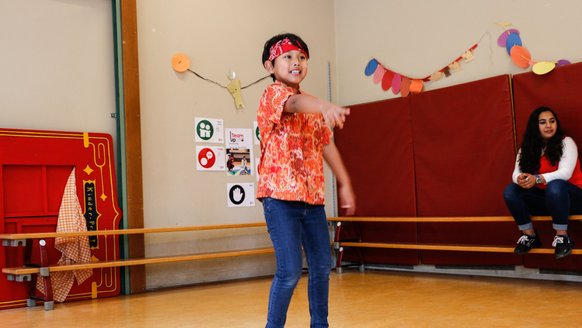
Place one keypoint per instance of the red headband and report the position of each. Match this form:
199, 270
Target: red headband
283, 46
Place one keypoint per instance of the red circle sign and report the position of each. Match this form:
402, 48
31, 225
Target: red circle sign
206, 158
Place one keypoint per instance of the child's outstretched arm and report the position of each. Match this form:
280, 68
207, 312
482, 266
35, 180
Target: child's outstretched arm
334, 115
346, 193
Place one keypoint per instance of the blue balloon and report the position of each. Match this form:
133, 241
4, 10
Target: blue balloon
371, 67
513, 39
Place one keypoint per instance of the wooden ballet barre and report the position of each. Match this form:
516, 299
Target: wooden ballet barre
129, 262
339, 245
40, 235
442, 219
442, 247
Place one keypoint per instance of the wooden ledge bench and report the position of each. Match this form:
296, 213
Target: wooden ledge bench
339, 245
16, 239
29, 273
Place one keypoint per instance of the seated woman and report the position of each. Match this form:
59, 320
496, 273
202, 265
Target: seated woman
546, 180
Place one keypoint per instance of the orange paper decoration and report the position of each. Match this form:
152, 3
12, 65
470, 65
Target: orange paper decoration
520, 56
180, 62
416, 86
405, 87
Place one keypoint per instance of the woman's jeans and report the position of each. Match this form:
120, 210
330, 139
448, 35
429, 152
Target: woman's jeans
559, 199
292, 225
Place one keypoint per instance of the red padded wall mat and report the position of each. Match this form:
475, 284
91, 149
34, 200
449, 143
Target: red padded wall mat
462, 143
463, 157
463, 148
376, 146
559, 90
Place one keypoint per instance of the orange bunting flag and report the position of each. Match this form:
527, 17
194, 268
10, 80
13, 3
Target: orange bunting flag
520, 56
405, 87
416, 86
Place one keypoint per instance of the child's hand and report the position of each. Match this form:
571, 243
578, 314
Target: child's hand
347, 200
335, 116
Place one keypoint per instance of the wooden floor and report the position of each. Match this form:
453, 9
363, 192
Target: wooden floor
371, 299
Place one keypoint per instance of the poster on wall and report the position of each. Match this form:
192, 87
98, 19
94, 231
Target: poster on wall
209, 130
240, 194
239, 152
210, 158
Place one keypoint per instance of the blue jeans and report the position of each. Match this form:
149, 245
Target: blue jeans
292, 225
558, 200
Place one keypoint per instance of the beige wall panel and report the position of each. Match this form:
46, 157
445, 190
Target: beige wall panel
417, 38
218, 37
56, 65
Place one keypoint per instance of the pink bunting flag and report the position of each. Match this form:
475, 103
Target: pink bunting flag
379, 74
396, 81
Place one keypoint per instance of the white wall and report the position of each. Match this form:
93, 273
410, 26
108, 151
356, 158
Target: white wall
218, 37
417, 38
56, 65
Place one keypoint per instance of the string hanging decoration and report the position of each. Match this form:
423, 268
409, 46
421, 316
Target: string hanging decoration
181, 63
510, 39
406, 85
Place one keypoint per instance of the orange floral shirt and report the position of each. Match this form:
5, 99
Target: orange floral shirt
291, 166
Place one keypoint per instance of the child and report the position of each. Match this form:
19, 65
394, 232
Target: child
296, 136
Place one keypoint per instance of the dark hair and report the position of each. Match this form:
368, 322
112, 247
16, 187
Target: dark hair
533, 144
294, 39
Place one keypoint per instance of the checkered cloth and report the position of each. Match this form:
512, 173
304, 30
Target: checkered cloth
74, 249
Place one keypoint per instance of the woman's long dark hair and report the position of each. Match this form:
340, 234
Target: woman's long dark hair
533, 144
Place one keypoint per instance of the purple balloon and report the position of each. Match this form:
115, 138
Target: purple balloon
513, 39
563, 62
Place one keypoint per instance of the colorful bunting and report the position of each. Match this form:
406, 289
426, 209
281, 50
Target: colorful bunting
511, 41
404, 85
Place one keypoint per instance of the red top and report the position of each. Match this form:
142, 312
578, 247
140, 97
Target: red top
547, 167
291, 166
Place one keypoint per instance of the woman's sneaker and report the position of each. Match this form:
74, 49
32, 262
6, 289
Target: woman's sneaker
563, 245
525, 243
